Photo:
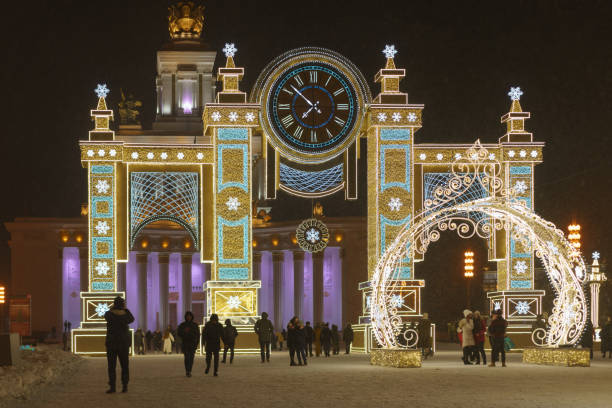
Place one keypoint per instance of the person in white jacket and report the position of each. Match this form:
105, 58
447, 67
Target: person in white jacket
466, 328
168, 339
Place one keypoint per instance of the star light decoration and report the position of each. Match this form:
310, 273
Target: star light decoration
102, 268
522, 307
382, 117
395, 204
102, 186
233, 116
520, 267
232, 204
102, 227
215, 116
234, 302
313, 235
389, 51
250, 117
412, 117
101, 309
520, 186
230, 50
595, 255
396, 116
101, 90
515, 93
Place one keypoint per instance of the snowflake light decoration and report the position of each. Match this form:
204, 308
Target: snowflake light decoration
396, 301
515, 93
233, 116
491, 156
381, 117
457, 156
439, 156
234, 302
102, 186
101, 90
249, 117
412, 117
523, 153
389, 51
511, 153
520, 267
101, 152
497, 305
230, 50
215, 116
232, 204
164, 155
313, 235
90, 153
102, 268
150, 155
113, 152
101, 309
422, 156
180, 155
520, 186
134, 155
553, 247
596, 255
395, 204
396, 116
102, 227
522, 307
534, 153
200, 155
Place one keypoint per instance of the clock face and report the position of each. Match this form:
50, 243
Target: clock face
312, 107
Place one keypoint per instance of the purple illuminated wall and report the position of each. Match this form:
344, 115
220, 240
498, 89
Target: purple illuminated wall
307, 305
266, 293
131, 288
71, 286
287, 291
332, 287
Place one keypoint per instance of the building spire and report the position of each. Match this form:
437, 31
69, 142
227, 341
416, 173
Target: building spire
389, 78
231, 76
101, 116
185, 20
515, 119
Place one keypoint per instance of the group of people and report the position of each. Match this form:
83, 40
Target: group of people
299, 338
166, 342
472, 330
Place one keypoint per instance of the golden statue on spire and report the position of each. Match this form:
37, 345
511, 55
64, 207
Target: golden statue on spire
185, 20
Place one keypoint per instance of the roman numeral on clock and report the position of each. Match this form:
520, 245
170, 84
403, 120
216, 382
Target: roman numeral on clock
283, 106
313, 77
338, 92
329, 134
288, 91
339, 121
328, 79
313, 136
298, 80
298, 132
287, 120
343, 106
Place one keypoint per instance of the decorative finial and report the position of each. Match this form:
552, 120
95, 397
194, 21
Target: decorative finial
596, 255
389, 51
230, 50
515, 93
101, 91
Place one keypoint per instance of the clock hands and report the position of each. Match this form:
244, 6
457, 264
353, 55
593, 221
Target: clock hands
299, 93
313, 106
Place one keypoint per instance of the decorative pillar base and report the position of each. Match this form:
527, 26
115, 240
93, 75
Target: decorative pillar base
567, 357
362, 338
396, 358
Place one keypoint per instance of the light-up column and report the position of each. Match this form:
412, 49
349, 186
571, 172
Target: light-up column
121, 278
317, 287
186, 283
257, 276
278, 258
141, 268
298, 283
164, 264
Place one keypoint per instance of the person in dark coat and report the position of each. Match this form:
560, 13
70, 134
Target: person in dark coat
497, 330
189, 333
229, 340
309, 332
149, 339
299, 343
347, 338
265, 332
480, 328
335, 338
211, 337
326, 339
587, 337
606, 338
157, 340
291, 334
118, 342
139, 341
424, 336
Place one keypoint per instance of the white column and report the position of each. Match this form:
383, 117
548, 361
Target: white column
277, 264
186, 284
317, 287
141, 267
164, 309
298, 283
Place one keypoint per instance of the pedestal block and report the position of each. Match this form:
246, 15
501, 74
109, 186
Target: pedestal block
567, 357
396, 358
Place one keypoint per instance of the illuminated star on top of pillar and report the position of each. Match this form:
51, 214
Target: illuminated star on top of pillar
389, 51
101, 91
595, 255
515, 93
230, 50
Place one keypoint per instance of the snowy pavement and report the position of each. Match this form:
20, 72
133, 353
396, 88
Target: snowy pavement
338, 381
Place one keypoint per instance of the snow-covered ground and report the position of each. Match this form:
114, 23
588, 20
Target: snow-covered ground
338, 381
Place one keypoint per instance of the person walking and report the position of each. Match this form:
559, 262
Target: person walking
168, 339
299, 343
118, 341
335, 337
424, 333
149, 340
347, 338
326, 339
317, 339
497, 330
229, 340
309, 333
139, 341
264, 330
291, 339
480, 328
211, 337
606, 338
466, 328
587, 337
189, 333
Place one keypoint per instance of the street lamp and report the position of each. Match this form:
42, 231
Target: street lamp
574, 235
468, 271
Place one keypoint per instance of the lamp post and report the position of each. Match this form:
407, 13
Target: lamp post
468, 271
574, 235
2, 302
595, 279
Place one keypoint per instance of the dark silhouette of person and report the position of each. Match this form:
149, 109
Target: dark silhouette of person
139, 341
229, 340
335, 336
291, 338
189, 332
299, 343
118, 342
309, 333
347, 338
265, 332
326, 339
211, 337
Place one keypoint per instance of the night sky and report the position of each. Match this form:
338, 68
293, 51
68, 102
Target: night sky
460, 57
